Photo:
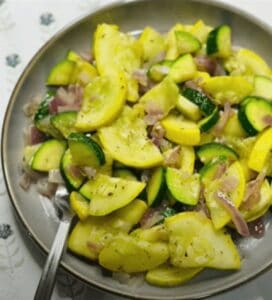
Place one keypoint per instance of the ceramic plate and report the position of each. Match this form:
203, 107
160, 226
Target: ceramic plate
131, 16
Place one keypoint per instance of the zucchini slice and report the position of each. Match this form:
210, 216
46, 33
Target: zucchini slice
125, 174
79, 205
255, 114
85, 151
200, 99
262, 87
181, 131
186, 42
156, 187
210, 151
48, 156
162, 97
125, 135
42, 116
159, 70
193, 242
107, 194
168, 276
184, 187
219, 41
260, 151
100, 231
183, 68
129, 254
207, 123
152, 43
103, 100
64, 122
70, 172
227, 88
189, 109
61, 73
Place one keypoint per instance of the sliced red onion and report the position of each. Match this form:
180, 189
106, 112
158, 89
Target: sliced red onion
90, 172
236, 216
88, 56
36, 136
267, 120
140, 75
46, 188
54, 105
94, 247
225, 116
54, 176
221, 169
205, 64
157, 134
31, 107
153, 113
75, 171
253, 191
25, 181
121, 277
173, 158
153, 216
229, 184
201, 206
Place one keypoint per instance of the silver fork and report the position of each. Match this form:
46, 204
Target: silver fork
48, 277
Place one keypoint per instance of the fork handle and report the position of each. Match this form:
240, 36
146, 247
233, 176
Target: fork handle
48, 277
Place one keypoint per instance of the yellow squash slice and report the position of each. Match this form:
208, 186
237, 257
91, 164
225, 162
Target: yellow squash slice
167, 275
107, 194
220, 217
126, 140
103, 100
130, 254
90, 236
193, 243
115, 51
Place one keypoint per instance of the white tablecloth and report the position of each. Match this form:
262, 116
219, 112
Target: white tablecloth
24, 26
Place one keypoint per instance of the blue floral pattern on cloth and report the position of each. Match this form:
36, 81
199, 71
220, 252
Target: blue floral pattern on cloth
5, 231
13, 60
46, 19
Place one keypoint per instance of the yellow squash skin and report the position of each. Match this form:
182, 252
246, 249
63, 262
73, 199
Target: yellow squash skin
131, 255
260, 151
125, 135
193, 243
115, 51
107, 194
168, 276
103, 99
220, 217
181, 131
89, 236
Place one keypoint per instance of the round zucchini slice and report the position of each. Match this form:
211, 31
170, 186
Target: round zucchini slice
214, 150
85, 151
155, 187
255, 114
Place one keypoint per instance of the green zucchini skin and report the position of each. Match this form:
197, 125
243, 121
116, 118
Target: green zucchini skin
61, 73
218, 39
210, 151
156, 187
200, 99
42, 116
207, 123
48, 156
252, 114
72, 182
85, 151
64, 122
